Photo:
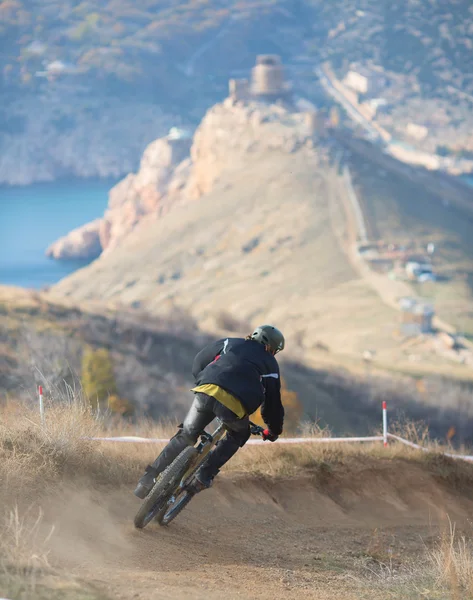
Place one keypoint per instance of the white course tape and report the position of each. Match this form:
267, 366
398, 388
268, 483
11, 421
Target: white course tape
375, 438
141, 440
129, 438
417, 447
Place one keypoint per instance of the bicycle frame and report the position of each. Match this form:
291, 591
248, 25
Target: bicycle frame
208, 441
181, 495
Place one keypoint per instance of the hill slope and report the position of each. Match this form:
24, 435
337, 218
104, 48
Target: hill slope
260, 246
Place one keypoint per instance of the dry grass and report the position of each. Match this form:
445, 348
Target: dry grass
441, 572
22, 542
23, 553
34, 455
452, 561
35, 458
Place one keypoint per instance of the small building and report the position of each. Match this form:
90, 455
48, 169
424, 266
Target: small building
416, 270
177, 133
315, 124
364, 80
304, 105
378, 105
416, 317
417, 132
357, 82
56, 66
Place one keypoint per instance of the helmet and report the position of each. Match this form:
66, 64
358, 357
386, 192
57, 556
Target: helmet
269, 336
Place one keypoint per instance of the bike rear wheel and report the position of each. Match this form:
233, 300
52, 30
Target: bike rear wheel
164, 487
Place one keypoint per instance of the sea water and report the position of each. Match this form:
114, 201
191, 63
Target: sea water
34, 216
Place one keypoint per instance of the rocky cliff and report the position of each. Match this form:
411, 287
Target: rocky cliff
139, 196
176, 169
233, 131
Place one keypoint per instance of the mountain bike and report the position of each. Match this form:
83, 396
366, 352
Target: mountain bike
172, 490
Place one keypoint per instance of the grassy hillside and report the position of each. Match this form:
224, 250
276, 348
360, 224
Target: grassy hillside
277, 250
120, 40
151, 51
45, 341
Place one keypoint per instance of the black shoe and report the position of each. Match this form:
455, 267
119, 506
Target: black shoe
146, 483
199, 483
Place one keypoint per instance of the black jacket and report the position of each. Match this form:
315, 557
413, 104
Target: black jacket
247, 371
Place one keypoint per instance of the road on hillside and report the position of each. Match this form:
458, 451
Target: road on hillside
371, 132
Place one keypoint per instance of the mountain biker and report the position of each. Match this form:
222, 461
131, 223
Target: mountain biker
234, 377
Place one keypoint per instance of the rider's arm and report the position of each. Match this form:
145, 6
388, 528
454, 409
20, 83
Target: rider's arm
206, 356
272, 409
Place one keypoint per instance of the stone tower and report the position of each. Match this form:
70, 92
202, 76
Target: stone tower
267, 80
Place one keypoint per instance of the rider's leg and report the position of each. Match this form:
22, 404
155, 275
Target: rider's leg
237, 436
199, 416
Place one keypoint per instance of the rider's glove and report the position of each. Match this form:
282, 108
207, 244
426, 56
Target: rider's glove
269, 435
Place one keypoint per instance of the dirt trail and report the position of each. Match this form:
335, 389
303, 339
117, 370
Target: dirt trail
252, 538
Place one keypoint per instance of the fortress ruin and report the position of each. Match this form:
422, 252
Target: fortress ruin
267, 83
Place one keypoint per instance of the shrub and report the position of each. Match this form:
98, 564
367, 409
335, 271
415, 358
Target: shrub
98, 379
120, 406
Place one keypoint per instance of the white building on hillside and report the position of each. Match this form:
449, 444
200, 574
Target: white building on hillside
365, 80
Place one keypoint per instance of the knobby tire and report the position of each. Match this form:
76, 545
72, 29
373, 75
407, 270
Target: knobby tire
167, 513
164, 488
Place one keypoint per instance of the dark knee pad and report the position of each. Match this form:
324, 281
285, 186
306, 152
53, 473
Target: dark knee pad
190, 435
239, 437
185, 433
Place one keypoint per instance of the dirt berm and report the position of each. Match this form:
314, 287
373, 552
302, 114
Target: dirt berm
317, 535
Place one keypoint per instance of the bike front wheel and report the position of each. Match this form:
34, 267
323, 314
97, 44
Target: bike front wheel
164, 488
170, 511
